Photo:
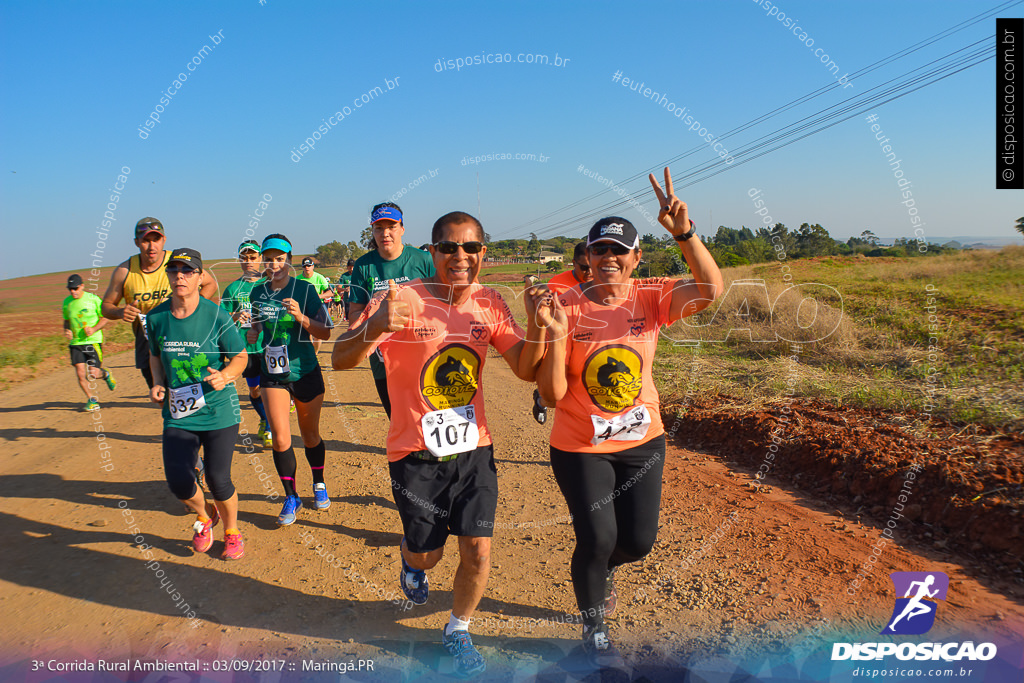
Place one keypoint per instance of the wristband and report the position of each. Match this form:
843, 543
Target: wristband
686, 235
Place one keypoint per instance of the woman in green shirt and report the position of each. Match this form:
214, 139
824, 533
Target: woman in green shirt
195, 352
290, 313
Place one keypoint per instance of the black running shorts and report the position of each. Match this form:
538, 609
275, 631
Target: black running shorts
438, 499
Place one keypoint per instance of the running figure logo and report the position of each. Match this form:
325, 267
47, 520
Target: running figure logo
914, 613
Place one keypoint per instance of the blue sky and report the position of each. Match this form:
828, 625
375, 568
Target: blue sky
79, 79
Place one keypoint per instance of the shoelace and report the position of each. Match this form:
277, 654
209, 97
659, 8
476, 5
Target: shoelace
198, 526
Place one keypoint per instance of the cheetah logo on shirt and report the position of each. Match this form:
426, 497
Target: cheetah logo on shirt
450, 378
612, 377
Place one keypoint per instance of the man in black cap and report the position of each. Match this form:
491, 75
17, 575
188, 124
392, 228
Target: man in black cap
322, 286
83, 320
141, 283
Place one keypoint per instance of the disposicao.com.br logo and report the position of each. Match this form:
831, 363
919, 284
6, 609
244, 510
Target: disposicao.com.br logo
913, 614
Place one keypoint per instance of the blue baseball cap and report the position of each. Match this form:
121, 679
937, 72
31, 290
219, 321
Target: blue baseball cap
386, 213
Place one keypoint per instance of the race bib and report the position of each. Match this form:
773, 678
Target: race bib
277, 360
186, 400
451, 431
142, 322
631, 425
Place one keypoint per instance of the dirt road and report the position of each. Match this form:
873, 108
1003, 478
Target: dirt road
739, 577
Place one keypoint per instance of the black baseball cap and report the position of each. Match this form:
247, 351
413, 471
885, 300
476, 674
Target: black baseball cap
189, 257
307, 261
351, 262
148, 225
74, 281
614, 229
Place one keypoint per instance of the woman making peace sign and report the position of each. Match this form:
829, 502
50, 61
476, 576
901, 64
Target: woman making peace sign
608, 442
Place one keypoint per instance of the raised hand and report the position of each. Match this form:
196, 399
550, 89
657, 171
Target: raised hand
673, 215
393, 314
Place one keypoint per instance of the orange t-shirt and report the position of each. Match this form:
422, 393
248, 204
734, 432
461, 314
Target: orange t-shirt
562, 282
435, 364
611, 404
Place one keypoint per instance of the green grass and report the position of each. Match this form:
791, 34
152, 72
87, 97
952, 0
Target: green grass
34, 350
880, 356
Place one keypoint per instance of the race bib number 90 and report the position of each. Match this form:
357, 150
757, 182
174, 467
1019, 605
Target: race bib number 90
186, 400
451, 431
277, 360
631, 425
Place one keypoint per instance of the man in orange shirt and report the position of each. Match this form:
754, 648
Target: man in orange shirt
433, 334
579, 273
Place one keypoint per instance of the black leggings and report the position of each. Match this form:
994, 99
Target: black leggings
614, 499
181, 451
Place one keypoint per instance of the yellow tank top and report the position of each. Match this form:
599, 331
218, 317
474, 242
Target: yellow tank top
146, 290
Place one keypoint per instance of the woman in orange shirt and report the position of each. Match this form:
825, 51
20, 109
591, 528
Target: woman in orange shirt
608, 442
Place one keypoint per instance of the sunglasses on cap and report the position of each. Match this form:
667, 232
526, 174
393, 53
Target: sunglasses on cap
602, 249
448, 247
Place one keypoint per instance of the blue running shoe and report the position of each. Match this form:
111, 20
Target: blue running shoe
292, 504
320, 494
414, 583
468, 662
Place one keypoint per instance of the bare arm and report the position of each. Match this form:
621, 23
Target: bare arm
353, 346
114, 295
159, 390
694, 295
551, 382
208, 290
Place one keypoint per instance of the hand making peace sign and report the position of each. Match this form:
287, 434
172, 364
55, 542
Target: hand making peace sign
673, 215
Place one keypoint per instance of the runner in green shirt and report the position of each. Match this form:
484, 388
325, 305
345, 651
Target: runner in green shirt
236, 302
195, 353
391, 260
83, 320
344, 280
290, 314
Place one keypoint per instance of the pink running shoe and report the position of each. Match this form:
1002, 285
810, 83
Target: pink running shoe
202, 539
234, 547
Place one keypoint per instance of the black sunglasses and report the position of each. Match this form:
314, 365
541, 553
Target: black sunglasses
447, 247
174, 270
602, 249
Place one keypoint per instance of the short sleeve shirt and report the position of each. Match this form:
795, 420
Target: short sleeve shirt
281, 329
609, 358
81, 312
562, 282
436, 362
371, 275
187, 349
236, 298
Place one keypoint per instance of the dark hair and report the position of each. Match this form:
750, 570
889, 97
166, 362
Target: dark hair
454, 218
279, 236
579, 250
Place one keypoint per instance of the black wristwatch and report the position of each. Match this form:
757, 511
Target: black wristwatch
686, 235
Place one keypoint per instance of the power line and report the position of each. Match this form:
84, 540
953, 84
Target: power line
790, 130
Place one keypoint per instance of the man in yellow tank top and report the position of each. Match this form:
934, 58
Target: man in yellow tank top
141, 283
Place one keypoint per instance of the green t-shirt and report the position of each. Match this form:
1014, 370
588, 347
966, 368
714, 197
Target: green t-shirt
82, 312
321, 283
281, 329
236, 298
343, 282
371, 275
187, 347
